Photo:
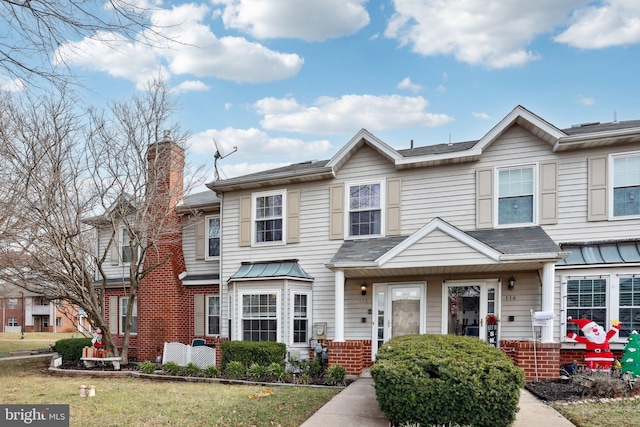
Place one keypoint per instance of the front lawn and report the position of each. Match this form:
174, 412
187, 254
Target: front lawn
15, 341
136, 402
602, 414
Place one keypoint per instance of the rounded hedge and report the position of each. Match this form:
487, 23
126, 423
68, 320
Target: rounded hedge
446, 379
71, 348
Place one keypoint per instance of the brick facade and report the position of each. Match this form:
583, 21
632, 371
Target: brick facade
524, 354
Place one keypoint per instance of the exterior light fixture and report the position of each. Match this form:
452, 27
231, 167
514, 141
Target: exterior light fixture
363, 288
511, 283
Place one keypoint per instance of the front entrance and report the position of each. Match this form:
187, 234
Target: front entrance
471, 308
398, 309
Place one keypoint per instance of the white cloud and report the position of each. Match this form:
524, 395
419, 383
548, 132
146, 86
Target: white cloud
227, 106
479, 32
11, 85
483, 116
347, 114
587, 101
191, 86
441, 89
609, 23
190, 48
257, 144
406, 83
300, 19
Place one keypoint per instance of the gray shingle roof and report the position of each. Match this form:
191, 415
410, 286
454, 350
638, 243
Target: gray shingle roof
601, 127
205, 198
508, 241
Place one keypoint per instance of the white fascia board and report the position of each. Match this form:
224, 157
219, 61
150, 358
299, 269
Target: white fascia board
200, 282
374, 141
436, 157
547, 256
439, 224
510, 119
344, 265
586, 137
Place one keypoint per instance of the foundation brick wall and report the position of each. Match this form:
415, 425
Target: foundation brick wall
568, 356
354, 356
524, 355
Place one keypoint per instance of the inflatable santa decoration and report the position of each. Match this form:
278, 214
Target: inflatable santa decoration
598, 355
97, 338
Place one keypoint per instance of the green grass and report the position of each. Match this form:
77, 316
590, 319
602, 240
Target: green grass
602, 414
13, 341
136, 402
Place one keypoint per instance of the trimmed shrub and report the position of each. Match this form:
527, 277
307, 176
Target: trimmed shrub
248, 352
71, 348
147, 367
442, 379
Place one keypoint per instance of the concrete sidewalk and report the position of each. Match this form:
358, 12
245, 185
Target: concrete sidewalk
356, 406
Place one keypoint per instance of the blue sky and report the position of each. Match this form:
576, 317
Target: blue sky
292, 80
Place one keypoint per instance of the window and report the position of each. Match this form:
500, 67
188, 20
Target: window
213, 237
300, 318
516, 195
13, 321
58, 321
586, 298
268, 213
629, 312
602, 299
123, 314
13, 303
365, 209
626, 185
213, 315
45, 322
260, 317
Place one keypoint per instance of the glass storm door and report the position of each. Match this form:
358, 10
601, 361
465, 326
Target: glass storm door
471, 309
398, 309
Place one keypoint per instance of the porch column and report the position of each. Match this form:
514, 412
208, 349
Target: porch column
339, 305
548, 280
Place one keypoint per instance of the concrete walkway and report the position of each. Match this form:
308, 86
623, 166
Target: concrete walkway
356, 406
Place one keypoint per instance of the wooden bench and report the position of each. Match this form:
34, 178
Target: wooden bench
90, 362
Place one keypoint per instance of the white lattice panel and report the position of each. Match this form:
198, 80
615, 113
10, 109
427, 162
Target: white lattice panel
203, 356
175, 352
182, 354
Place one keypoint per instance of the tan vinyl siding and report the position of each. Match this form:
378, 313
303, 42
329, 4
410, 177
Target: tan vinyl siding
193, 263
597, 190
293, 216
198, 315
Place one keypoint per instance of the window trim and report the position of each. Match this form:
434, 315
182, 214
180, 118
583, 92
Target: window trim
254, 196
206, 237
535, 193
121, 317
291, 319
347, 207
12, 321
611, 187
278, 316
612, 304
206, 316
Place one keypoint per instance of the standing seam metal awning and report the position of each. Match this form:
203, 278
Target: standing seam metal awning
619, 252
271, 270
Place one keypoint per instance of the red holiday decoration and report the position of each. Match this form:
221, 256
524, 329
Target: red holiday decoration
598, 355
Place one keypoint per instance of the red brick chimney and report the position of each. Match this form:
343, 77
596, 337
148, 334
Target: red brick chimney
162, 300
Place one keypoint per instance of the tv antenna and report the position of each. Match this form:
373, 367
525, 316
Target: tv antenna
220, 154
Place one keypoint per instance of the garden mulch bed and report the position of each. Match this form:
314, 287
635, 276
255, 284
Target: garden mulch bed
571, 391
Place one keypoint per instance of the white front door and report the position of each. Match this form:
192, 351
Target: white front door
471, 308
398, 309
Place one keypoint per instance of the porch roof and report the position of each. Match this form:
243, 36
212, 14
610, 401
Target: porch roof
604, 252
271, 270
524, 245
